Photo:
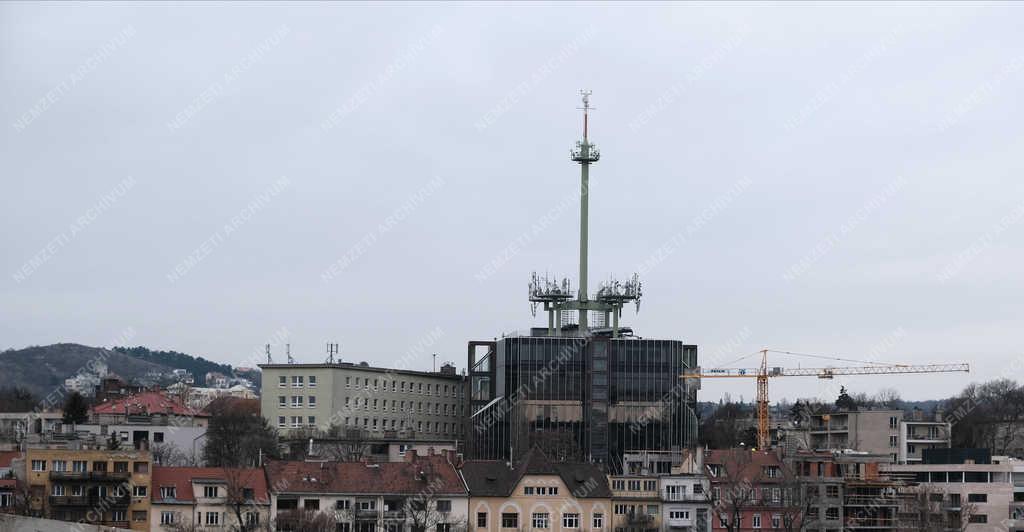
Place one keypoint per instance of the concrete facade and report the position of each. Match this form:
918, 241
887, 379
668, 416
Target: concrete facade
987, 489
298, 398
871, 431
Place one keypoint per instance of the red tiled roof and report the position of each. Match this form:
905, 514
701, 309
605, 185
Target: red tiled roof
427, 472
7, 456
146, 403
181, 478
742, 463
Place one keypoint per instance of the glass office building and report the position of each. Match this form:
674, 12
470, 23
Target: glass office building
592, 398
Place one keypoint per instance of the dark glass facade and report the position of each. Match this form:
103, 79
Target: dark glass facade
590, 399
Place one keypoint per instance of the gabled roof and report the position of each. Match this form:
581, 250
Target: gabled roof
181, 479
360, 478
145, 403
491, 478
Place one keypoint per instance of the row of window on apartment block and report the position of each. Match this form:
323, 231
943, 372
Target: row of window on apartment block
81, 466
447, 390
138, 516
77, 490
208, 518
209, 492
539, 520
299, 401
372, 424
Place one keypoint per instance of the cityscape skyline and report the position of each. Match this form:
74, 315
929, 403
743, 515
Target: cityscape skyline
829, 211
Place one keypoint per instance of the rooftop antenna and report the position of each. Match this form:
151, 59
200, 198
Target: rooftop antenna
332, 349
558, 297
269, 360
288, 351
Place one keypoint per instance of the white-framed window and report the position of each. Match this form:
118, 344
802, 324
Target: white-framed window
755, 521
76, 490
776, 521
679, 514
311, 421
119, 515
213, 518
296, 401
348, 382
598, 521
79, 466
282, 401
540, 520
312, 381
312, 401
281, 422
168, 518
168, 492
38, 465
570, 520
296, 422
60, 465
282, 381
58, 490
252, 518
297, 381
140, 491
210, 492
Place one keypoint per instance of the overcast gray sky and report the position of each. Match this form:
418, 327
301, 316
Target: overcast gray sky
836, 179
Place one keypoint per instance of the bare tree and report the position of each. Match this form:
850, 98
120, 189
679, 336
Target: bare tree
795, 500
732, 486
170, 455
350, 446
241, 497
925, 508
426, 509
299, 520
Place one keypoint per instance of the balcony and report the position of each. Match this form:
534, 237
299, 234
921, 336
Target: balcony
90, 500
69, 475
363, 513
683, 497
393, 514
636, 518
77, 500
101, 476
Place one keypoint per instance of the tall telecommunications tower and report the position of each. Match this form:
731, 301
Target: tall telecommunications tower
610, 296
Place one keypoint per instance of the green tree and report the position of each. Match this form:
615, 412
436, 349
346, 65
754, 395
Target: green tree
76, 409
844, 401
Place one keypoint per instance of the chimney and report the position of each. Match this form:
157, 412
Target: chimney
410, 455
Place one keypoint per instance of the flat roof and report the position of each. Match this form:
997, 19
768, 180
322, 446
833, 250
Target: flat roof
371, 369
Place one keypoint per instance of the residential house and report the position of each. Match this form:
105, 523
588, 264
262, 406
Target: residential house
421, 492
94, 486
537, 494
751, 489
208, 497
686, 495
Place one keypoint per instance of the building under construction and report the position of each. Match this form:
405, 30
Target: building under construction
583, 387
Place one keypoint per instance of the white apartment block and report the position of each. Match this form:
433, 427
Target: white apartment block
381, 402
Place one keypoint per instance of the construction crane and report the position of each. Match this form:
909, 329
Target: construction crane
763, 372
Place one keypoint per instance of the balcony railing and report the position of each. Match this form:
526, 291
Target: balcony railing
394, 514
70, 500
364, 513
684, 497
113, 476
